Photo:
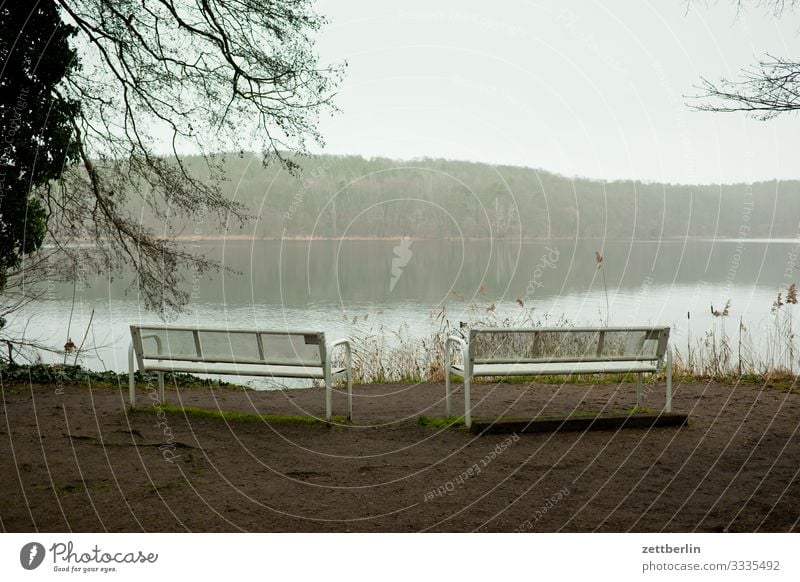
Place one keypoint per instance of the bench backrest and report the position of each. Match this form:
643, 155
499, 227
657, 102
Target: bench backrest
233, 346
570, 344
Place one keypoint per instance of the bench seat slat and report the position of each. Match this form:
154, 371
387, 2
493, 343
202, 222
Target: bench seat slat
556, 359
236, 361
557, 368
241, 370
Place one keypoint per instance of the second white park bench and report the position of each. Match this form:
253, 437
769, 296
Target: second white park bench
558, 351
238, 352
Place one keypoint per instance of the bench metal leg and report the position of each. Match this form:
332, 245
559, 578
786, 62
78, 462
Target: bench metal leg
349, 395
448, 372
668, 407
467, 403
447, 391
328, 396
131, 379
162, 398
639, 390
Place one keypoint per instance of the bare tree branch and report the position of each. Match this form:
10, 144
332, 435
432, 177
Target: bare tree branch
771, 88
199, 77
766, 90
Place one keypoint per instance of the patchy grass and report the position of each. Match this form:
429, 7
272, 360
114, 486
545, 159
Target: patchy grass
232, 416
594, 413
80, 487
442, 421
583, 414
17, 379
790, 386
642, 410
457, 422
67, 375
569, 379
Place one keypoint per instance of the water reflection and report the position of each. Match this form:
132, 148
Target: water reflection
325, 284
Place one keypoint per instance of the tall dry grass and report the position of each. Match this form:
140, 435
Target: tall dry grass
724, 351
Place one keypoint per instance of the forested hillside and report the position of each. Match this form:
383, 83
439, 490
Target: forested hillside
349, 196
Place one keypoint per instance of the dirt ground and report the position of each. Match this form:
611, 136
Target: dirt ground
73, 459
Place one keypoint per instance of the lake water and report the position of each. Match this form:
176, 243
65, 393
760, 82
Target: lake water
391, 284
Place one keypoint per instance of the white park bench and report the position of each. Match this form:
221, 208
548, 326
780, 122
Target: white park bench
238, 352
555, 352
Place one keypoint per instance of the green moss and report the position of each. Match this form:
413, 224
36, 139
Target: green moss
232, 416
442, 421
18, 378
411, 380
81, 486
68, 375
594, 414
642, 410
458, 421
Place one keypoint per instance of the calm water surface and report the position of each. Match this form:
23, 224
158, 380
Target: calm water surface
389, 285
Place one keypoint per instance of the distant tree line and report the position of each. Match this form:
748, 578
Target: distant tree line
349, 196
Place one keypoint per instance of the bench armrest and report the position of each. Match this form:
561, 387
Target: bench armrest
454, 339
348, 363
348, 353
132, 349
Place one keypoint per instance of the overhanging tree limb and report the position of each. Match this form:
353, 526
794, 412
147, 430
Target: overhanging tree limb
766, 90
157, 79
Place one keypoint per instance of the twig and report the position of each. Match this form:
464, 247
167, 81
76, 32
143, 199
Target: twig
85, 335
740, 345
71, 310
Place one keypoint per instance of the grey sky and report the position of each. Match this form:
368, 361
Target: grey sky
579, 88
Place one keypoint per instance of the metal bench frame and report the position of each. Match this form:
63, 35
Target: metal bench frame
317, 369
555, 366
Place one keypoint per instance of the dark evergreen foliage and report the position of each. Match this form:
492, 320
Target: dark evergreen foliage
35, 122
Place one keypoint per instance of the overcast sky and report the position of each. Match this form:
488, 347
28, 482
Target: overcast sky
584, 88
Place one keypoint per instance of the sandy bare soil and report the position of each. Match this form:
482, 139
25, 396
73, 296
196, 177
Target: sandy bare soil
79, 461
